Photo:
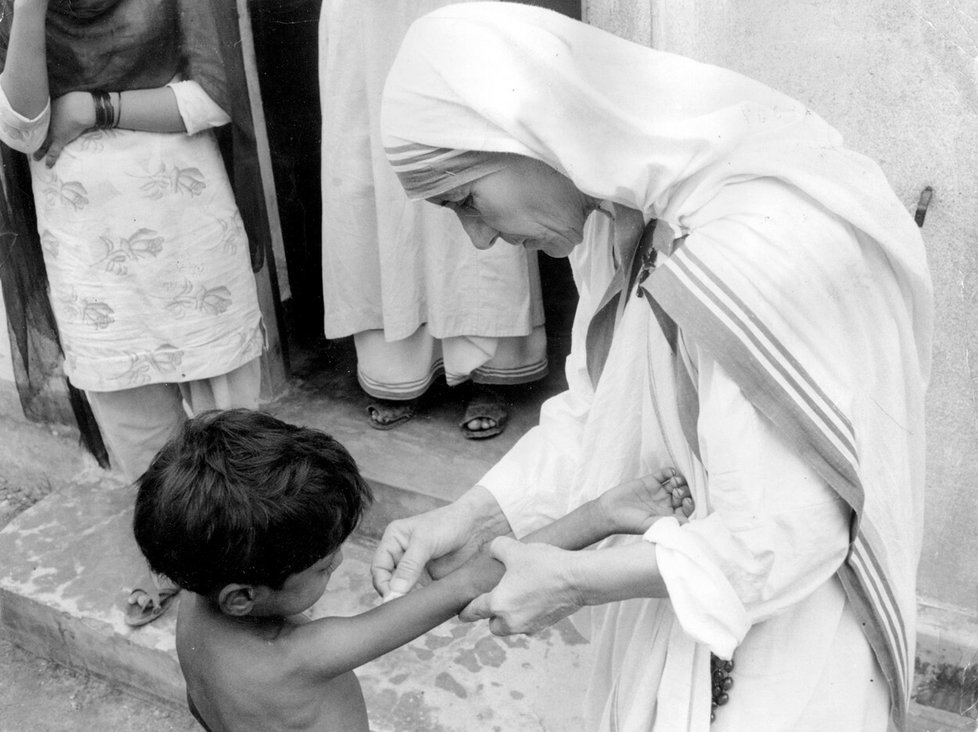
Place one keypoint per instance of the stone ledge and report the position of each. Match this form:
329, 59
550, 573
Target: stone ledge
69, 560
946, 634
929, 719
92, 646
947, 664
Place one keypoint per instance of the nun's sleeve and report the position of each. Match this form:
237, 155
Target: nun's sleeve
775, 531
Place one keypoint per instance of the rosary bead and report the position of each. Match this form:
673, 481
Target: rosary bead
720, 683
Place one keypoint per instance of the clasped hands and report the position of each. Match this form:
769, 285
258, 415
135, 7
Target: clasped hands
525, 585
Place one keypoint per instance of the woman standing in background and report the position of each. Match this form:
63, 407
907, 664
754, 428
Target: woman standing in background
144, 248
398, 275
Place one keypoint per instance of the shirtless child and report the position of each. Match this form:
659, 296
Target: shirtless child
248, 514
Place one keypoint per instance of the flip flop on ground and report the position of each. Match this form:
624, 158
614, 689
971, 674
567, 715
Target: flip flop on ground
384, 414
148, 601
485, 415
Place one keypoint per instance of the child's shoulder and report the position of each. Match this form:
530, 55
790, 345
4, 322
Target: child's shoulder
206, 636
249, 671
211, 632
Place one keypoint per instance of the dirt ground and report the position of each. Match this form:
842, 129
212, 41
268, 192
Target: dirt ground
39, 696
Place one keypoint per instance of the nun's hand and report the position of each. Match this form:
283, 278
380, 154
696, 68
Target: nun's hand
536, 591
71, 115
438, 541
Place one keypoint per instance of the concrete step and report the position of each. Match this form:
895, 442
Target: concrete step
69, 560
428, 455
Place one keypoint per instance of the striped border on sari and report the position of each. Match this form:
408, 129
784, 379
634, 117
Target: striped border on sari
516, 375
426, 171
400, 390
780, 387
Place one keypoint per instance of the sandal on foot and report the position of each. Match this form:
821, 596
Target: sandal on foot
147, 602
393, 413
488, 405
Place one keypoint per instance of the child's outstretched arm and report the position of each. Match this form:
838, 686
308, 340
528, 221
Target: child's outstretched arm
331, 646
628, 508
335, 645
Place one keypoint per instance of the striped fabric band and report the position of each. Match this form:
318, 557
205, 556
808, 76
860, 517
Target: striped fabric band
400, 390
485, 374
880, 606
782, 389
518, 375
425, 172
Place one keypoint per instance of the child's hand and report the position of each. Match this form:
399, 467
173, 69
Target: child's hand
634, 505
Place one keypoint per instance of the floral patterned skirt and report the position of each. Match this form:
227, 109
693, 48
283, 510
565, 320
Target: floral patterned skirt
147, 260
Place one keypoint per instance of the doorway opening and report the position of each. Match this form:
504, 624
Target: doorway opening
286, 47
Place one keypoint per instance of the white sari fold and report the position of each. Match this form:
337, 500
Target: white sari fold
852, 412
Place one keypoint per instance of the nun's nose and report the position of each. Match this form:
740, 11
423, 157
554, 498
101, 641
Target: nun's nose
482, 235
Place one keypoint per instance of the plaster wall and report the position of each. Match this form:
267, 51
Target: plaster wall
899, 79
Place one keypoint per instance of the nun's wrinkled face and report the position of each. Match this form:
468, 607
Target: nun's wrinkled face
527, 203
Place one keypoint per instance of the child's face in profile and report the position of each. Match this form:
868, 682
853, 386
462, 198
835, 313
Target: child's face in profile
302, 589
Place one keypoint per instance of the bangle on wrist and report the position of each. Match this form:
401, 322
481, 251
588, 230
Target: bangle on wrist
118, 114
104, 111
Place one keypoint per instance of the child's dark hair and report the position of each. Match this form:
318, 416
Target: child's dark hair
239, 496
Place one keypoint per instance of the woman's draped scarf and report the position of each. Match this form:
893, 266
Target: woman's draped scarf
115, 45
663, 134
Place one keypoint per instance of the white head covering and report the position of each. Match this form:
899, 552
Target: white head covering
666, 135
650, 130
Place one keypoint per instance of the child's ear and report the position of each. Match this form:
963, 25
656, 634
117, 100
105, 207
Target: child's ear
237, 600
